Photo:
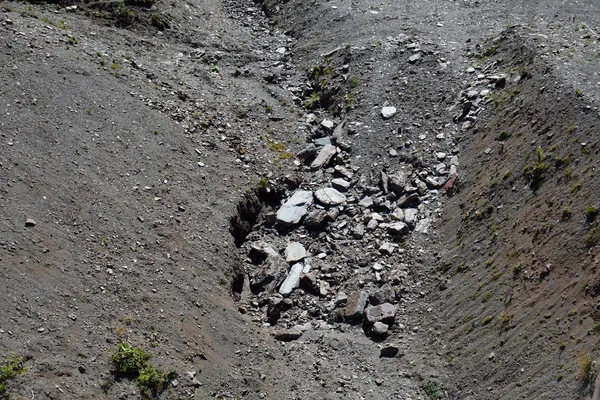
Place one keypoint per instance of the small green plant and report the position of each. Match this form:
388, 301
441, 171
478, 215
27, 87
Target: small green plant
571, 128
116, 66
593, 236
517, 269
487, 297
133, 363
433, 390
10, 368
314, 101
576, 187
504, 135
535, 172
567, 213
591, 213
562, 346
487, 320
505, 320
263, 183
506, 175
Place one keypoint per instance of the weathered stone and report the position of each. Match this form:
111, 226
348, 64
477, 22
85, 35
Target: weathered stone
366, 202
295, 208
408, 200
388, 112
340, 184
358, 232
414, 58
294, 252
310, 282
343, 171
398, 228
327, 124
410, 216
330, 196
398, 214
386, 248
341, 298
398, 181
385, 312
270, 274
317, 218
324, 288
263, 248
355, 305
287, 335
307, 153
340, 137
389, 351
433, 182
30, 222
423, 225
372, 225
379, 329
385, 294
325, 156
292, 281
320, 142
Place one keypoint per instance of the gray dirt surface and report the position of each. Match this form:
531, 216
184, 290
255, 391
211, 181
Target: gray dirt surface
132, 149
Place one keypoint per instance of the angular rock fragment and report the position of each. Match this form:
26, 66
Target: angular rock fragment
355, 305
325, 156
287, 335
294, 252
292, 281
398, 228
385, 312
330, 196
317, 218
295, 208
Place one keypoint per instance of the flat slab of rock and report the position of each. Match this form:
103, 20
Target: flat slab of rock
324, 157
340, 184
385, 312
388, 112
330, 196
294, 252
287, 335
355, 305
292, 281
295, 208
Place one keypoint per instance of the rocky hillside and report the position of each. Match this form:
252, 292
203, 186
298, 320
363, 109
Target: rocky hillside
227, 199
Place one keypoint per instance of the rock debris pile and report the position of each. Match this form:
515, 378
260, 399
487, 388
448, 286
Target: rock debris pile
334, 251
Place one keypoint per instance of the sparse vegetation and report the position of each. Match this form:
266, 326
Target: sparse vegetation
535, 172
133, 363
11, 367
433, 390
587, 368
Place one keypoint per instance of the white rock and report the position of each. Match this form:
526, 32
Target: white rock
340, 184
294, 252
292, 281
330, 196
327, 124
295, 208
388, 112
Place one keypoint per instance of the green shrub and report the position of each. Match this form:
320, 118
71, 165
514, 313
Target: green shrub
12, 366
133, 363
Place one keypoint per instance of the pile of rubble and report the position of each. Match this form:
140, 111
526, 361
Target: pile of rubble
333, 251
